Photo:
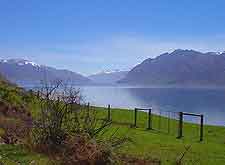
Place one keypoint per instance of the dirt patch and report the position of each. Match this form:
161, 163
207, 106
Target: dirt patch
130, 160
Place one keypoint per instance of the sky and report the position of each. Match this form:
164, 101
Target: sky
89, 36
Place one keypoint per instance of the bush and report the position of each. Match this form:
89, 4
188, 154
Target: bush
82, 149
72, 131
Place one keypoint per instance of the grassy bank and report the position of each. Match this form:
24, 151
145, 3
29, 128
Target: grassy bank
15, 154
146, 143
15, 104
165, 146
160, 143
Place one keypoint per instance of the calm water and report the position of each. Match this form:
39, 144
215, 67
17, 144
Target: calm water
210, 102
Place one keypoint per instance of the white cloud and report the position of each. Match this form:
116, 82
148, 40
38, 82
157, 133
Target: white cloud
132, 50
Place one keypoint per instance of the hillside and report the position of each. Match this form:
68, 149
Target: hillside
26, 72
156, 145
15, 122
181, 67
159, 144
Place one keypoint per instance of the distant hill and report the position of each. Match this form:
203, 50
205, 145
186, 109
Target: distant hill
108, 77
181, 67
26, 72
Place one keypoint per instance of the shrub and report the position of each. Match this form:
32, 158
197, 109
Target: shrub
82, 149
72, 131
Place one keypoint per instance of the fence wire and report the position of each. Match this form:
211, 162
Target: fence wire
165, 121
160, 120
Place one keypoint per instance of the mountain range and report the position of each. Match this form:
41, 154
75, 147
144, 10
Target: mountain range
26, 72
181, 67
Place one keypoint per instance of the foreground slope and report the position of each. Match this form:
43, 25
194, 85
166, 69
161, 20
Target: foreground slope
14, 121
164, 146
153, 144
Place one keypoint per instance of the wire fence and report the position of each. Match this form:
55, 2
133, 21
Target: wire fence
149, 119
167, 122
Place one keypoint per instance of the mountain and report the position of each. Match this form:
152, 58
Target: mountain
181, 67
26, 72
108, 77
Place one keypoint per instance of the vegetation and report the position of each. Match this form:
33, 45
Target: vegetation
16, 154
14, 125
62, 129
68, 132
166, 147
84, 134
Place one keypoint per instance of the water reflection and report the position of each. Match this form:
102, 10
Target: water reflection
210, 102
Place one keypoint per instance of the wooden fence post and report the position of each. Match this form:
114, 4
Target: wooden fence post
180, 125
31, 91
150, 119
201, 128
38, 94
88, 106
168, 123
160, 114
135, 117
109, 113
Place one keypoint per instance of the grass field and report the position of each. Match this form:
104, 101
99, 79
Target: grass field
15, 154
165, 146
145, 143
160, 143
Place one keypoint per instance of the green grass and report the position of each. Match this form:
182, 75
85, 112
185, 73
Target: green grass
18, 97
165, 146
15, 154
146, 143
161, 144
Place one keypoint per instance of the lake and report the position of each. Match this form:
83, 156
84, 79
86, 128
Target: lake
209, 102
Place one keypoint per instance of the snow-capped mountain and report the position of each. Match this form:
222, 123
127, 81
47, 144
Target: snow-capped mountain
108, 76
24, 71
19, 62
215, 53
109, 71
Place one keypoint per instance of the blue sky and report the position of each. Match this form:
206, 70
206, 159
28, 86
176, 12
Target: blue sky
88, 36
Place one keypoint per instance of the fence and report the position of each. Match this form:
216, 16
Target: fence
167, 122
180, 127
